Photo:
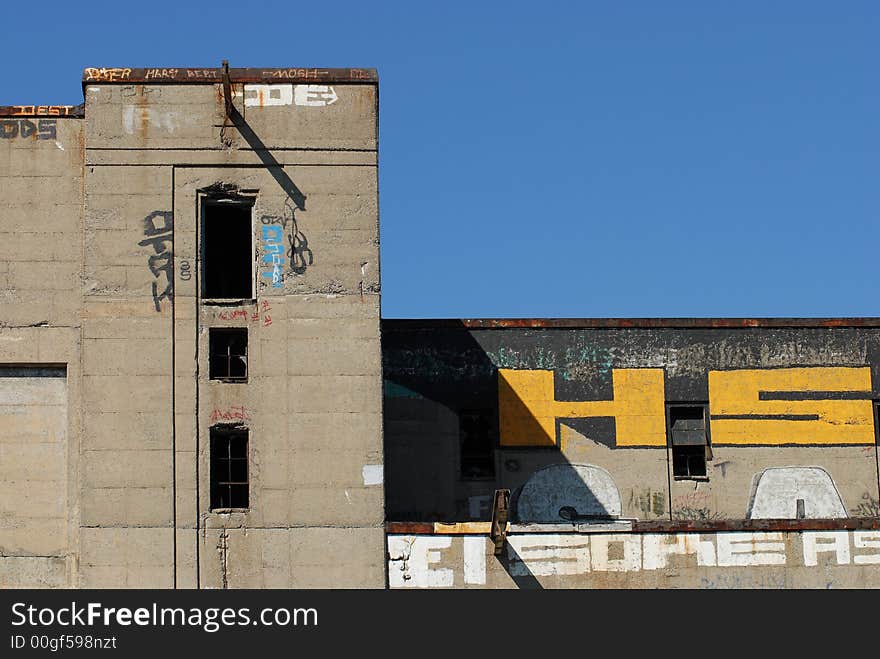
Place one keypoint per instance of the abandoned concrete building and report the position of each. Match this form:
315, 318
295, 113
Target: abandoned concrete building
197, 389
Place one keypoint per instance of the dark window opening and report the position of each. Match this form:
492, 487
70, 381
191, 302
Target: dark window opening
229, 467
689, 440
477, 444
227, 353
229, 254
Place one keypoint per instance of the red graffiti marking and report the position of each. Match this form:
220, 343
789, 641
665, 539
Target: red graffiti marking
234, 413
232, 315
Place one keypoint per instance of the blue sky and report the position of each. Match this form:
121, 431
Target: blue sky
547, 159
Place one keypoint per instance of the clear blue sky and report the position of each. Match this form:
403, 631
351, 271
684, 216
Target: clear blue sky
563, 159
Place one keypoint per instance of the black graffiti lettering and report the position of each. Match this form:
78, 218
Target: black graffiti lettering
48, 129
158, 242
185, 272
167, 294
8, 129
163, 259
166, 267
150, 228
26, 128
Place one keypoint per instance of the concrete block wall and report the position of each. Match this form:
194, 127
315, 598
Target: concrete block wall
123, 183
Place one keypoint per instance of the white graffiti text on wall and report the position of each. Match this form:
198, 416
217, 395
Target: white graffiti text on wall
425, 561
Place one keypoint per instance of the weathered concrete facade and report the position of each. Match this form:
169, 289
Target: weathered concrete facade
108, 397
678, 437
193, 392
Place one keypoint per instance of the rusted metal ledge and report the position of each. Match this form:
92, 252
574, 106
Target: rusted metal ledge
391, 324
660, 526
54, 111
123, 75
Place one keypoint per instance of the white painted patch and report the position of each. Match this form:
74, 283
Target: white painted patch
631, 548
546, 555
373, 474
59, 145
817, 542
657, 548
750, 549
590, 490
134, 115
314, 95
268, 95
779, 488
410, 558
475, 560
867, 540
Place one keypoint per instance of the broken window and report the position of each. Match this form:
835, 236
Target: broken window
477, 444
228, 250
229, 467
227, 353
689, 440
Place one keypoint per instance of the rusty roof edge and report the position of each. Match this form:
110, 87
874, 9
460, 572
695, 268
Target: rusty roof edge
612, 323
48, 111
664, 526
190, 76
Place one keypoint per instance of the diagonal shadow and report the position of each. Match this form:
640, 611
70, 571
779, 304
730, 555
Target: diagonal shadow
526, 581
276, 169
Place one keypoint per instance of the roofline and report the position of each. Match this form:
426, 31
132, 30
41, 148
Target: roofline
191, 76
49, 111
621, 323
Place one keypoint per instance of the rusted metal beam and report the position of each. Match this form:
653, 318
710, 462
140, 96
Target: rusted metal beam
227, 89
500, 513
124, 75
665, 526
391, 324
57, 111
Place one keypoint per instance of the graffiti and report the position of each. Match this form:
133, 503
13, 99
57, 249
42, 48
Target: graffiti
781, 406
273, 252
107, 75
569, 493
528, 407
234, 413
45, 110
648, 502
421, 561
202, 73
795, 492
870, 507
295, 74
824, 405
315, 96
299, 253
162, 262
43, 129
248, 316
164, 74
266, 308
185, 272
691, 513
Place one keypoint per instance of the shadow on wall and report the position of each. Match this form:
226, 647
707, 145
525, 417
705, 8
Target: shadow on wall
435, 375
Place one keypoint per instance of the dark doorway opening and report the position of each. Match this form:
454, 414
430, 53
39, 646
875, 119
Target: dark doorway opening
228, 250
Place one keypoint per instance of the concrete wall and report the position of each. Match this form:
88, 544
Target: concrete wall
104, 275
756, 559
578, 419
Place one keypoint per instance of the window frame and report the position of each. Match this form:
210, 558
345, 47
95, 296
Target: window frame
217, 331
227, 432
683, 448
